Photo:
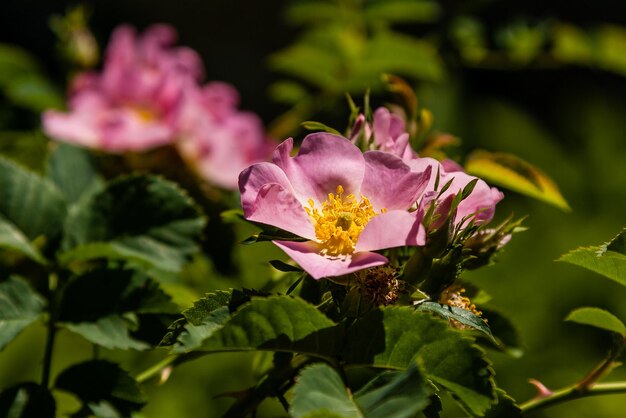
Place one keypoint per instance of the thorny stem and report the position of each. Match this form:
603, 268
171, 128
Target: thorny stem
586, 387
570, 393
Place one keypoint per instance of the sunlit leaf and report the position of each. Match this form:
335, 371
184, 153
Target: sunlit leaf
598, 318
276, 323
463, 316
507, 170
395, 337
608, 259
19, 307
320, 390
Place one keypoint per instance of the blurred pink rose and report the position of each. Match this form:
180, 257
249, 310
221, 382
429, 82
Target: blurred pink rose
219, 140
134, 103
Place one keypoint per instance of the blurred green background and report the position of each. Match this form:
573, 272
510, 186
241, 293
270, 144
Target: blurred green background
545, 80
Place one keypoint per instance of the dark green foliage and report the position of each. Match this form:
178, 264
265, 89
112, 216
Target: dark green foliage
109, 389
27, 400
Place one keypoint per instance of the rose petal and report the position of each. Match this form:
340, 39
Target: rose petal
323, 162
277, 206
256, 176
392, 229
308, 256
390, 183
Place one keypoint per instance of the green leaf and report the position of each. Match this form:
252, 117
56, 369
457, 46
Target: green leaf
109, 388
27, 400
598, 318
288, 92
461, 315
319, 390
112, 308
143, 219
276, 323
284, 267
608, 259
402, 11
390, 52
319, 126
206, 316
505, 407
109, 332
395, 337
19, 307
395, 394
507, 170
30, 202
13, 239
73, 171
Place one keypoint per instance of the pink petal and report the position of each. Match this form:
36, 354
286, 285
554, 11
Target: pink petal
253, 178
420, 165
392, 229
323, 162
390, 183
277, 206
308, 256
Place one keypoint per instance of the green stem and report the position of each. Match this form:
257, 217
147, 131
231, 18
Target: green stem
155, 369
51, 328
571, 393
47, 359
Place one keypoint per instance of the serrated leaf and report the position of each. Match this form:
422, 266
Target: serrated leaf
608, 259
319, 390
206, 316
30, 202
72, 170
144, 219
509, 171
27, 400
276, 323
19, 307
461, 315
13, 239
598, 318
504, 408
108, 384
395, 394
395, 337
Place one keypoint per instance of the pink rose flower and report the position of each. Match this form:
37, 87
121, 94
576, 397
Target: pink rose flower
387, 133
479, 205
220, 141
134, 103
345, 203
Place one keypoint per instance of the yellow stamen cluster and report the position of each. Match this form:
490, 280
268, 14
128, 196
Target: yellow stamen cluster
453, 296
145, 113
340, 221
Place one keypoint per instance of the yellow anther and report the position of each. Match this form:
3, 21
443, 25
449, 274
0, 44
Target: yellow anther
340, 221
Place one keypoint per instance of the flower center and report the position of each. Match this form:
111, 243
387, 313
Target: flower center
145, 113
340, 221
